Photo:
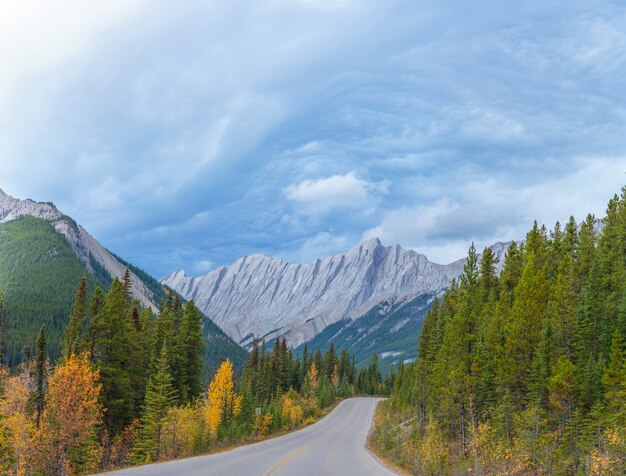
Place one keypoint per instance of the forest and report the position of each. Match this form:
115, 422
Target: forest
129, 388
522, 372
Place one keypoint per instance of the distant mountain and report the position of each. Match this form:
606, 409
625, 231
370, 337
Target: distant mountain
267, 297
43, 254
389, 330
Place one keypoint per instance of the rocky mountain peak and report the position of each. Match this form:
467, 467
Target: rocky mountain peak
268, 297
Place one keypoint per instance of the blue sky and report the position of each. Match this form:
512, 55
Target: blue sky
189, 135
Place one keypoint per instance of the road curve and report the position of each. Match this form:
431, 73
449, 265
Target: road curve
333, 445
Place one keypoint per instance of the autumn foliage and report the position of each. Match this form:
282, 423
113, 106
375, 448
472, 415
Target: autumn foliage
71, 416
223, 404
128, 389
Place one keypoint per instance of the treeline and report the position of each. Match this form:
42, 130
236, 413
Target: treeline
525, 372
292, 390
128, 389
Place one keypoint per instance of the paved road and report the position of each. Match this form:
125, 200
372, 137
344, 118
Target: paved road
334, 445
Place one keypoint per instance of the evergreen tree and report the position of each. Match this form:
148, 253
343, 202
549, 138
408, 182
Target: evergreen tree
96, 327
4, 322
41, 374
128, 285
112, 353
74, 329
519, 366
160, 396
190, 352
330, 361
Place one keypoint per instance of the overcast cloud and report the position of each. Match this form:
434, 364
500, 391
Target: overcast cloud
187, 135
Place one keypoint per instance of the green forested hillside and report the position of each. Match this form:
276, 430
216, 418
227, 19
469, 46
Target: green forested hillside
389, 330
39, 273
522, 373
219, 344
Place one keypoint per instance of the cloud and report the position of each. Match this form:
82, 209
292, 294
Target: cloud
337, 191
320, 245
196, 133
499, 209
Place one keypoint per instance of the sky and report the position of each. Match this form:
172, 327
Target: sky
188, 134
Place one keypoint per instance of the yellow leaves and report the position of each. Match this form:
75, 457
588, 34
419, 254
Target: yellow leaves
223, 403
265, 424
72, 407
72, 411
291, 412
434, 448
18, 426
183, 430
311, 381
612, 458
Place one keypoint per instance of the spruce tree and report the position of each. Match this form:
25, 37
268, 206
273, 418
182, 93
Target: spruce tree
74, 329
95, 326
4, 318
160, 396
128, 285
113, 355
190, 351
41, 374
330, 360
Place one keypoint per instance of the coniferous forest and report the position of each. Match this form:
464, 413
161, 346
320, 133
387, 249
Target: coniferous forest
129, 389
522, 372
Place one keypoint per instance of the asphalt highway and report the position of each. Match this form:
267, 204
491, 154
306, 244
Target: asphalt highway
334, 445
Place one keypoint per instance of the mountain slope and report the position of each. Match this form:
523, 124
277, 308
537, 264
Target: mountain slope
267, 297
43, 254
389, 330
29, 245
89, 252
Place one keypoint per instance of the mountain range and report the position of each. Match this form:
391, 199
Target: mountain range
368, 288
371, 298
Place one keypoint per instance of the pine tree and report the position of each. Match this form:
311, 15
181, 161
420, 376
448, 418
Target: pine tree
74, 329
96, 327
4, 322
190, 351
344, 366
250, 377
128, 285
614, 381
41, 374
160, 396
112, 354
330, 360
488, 276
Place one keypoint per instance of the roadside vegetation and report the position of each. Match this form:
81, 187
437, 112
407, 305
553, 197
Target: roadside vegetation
128, 389
522, 372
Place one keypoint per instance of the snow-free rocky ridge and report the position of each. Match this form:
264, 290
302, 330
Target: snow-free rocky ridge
85, 247
268, 297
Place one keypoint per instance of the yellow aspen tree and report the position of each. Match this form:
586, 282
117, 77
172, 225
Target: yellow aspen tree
15, 417
311, 382
71, 415
223, 404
